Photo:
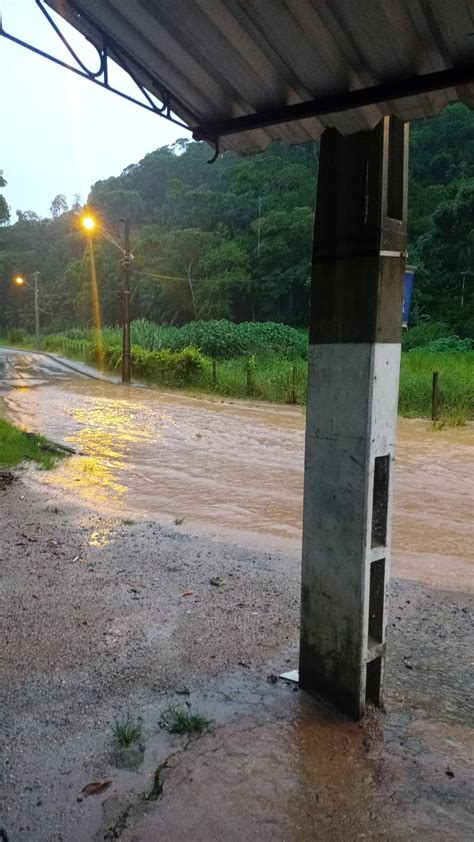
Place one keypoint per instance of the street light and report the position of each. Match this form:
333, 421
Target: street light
90, 224
20, 281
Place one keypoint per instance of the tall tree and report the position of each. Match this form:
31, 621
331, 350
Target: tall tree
4, 209
58, 205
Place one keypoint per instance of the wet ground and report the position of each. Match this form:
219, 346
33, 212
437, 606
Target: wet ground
101, 616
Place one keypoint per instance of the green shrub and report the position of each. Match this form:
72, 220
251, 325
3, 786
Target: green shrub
422, 334
445, 345
218, 338
84, 333
18, 336
172, 368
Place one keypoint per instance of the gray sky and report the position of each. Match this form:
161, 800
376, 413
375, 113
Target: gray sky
60, 133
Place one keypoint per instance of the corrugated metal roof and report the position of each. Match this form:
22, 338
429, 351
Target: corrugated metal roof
221, 59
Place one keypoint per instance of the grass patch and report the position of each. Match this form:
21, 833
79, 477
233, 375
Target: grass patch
181, 720
17, 446
126, 731
456, 385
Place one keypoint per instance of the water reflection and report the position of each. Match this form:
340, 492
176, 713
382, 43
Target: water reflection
100, 537
96, 309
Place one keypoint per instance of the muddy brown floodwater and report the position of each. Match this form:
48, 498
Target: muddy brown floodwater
236, 468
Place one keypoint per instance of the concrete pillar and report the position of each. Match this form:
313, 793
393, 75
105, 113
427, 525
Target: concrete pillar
354, 361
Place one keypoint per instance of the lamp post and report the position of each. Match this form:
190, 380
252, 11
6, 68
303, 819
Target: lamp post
20, 281
126, 353
90, 224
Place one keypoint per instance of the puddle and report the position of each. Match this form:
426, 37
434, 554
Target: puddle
278, 766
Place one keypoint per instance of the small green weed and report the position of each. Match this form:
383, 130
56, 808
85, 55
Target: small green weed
126, 731
180, 720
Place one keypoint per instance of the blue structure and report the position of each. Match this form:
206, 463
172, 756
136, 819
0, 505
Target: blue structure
407, 294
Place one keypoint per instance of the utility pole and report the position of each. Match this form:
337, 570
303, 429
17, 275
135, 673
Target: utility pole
126, 355
37, 315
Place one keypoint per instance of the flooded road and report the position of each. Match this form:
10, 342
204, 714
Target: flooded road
234, 468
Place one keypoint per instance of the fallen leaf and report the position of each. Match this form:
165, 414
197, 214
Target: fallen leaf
187, 593
96, 788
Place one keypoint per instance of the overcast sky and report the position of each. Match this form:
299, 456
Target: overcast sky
60, 133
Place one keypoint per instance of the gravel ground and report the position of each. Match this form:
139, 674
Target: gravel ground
100, 617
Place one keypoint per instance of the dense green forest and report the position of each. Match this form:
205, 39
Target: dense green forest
233, 239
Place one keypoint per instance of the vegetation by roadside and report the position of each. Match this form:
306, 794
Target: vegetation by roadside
267, 361
17, 446
126, 731
180, 720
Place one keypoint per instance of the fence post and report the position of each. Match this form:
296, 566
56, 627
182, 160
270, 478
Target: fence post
293, 384
214, 373
249, 377
434, 396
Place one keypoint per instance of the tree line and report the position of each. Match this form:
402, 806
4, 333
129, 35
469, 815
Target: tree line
233, 239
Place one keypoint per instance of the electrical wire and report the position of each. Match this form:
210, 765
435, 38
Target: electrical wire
162, 277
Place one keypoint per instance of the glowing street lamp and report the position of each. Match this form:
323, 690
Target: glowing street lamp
20, 281
90, 224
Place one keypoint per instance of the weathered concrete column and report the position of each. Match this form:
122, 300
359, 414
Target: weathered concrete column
354, 362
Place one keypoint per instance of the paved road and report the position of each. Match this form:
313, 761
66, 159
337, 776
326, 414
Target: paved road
26, 368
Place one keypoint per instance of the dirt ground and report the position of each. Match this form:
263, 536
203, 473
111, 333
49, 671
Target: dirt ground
101, 616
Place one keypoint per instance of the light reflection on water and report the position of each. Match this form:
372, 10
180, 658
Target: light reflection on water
100, 537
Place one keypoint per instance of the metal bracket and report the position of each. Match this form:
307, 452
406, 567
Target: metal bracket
113, 51
217, 150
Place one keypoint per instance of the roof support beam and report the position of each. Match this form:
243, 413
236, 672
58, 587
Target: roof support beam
353, 371
345, 101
